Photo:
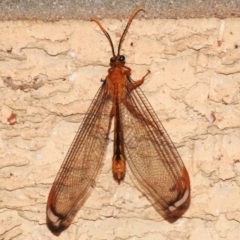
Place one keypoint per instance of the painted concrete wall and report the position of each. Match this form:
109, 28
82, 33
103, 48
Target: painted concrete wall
50, 72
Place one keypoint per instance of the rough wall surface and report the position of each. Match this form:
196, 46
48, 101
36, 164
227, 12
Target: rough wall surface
49, 72
81, 9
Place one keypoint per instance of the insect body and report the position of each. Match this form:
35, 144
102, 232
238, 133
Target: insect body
139, 139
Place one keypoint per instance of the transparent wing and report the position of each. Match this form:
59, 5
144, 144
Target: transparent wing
151, 155
81, 165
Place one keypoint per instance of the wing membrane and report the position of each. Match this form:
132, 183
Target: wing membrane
81, 165
151, 155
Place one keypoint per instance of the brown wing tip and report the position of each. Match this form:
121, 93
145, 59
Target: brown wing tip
55, 222
56, 230
178, 208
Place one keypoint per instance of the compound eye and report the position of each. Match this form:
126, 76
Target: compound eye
112, 59
121, 58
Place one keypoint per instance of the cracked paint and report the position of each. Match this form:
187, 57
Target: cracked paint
50, 72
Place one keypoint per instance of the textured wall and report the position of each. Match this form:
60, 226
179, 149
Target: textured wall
49, 72
81, 9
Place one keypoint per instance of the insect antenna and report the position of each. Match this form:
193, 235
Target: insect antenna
95, 19
135, 11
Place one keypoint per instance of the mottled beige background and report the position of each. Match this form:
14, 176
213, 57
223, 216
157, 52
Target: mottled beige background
194, 88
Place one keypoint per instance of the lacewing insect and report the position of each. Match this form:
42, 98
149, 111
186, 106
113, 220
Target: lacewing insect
139, 138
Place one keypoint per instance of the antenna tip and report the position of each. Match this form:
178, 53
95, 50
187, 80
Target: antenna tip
139, 8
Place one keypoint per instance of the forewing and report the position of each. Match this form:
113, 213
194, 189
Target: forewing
152, 157
81, 165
